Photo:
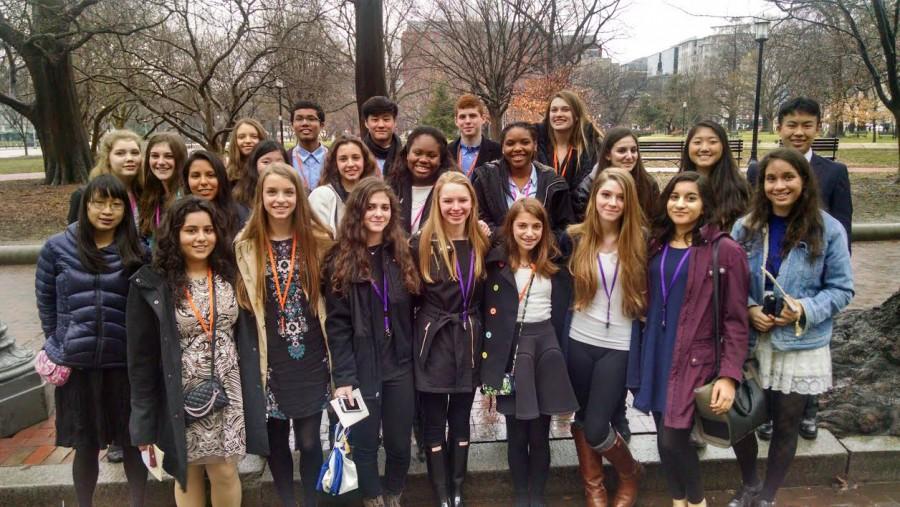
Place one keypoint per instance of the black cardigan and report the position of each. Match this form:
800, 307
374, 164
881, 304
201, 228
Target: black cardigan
501, 305
354, 356
154, 371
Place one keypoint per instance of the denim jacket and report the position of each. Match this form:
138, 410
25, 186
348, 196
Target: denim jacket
823, 286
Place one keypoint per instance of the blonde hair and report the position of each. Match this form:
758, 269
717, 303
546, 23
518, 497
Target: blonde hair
106, 145
307, 228
236, 162
631, 247
433, 230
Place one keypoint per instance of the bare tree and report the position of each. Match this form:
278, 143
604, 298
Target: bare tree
872, 26
44, 34
614, 89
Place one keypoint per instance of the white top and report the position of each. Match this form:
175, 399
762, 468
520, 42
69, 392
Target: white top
327, 205
589, 325
419, 198
539, 306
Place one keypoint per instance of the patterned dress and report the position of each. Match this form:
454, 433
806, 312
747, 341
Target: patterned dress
220, 436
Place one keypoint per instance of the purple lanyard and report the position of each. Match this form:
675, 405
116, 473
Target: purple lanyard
515, 190
466, 290
608, 290
384, 296
662, 278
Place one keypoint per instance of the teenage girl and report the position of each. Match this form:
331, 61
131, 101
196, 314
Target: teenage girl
244, 137
568, 141
119, 155
608, 266
164, 156
349, 161
798, 254
676, 352
369, 289
279, 256
204, 176
526, 299
450, 253
266, 153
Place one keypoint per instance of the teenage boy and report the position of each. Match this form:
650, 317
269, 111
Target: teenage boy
798, 124
380, 114
308, 156
472, 149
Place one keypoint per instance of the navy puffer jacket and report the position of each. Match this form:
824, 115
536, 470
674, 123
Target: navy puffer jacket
82, 313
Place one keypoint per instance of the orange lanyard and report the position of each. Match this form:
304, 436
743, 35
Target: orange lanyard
472, 165
206, 326
565, 162
282, 296
528, 285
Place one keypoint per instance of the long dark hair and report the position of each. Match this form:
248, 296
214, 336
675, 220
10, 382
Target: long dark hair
330, 173
154, 196
245, 188
731, 189
400, 174
224, 203
664, 228
647, 188
349, 259
168, 259
804, 221
107, 186
543, 254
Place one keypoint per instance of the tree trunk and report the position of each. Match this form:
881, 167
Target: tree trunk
496, 113
57, 118
896, 112
370, 80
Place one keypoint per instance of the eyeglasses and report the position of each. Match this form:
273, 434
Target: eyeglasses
307, 119
111, 205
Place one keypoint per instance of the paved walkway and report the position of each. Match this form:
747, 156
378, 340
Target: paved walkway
876, 267
22, 176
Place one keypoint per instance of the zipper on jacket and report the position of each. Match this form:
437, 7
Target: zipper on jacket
424, 338
98, 300
472, 341
547, 193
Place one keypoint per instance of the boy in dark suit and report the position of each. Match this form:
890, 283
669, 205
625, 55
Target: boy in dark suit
798, 124
472, 149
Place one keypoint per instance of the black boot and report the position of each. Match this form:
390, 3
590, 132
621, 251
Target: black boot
620, 423
460, 465
437, 472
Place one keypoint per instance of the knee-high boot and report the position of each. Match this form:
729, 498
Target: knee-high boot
437, 472
460, 466
629, 471
590, 464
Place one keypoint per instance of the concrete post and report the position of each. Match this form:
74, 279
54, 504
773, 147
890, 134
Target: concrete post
22, 401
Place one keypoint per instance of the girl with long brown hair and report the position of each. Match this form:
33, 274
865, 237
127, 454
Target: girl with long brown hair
348, 162
244, 137
608, 266
278, 257
163, 158
568, 141
450, 252
371, 281
527, 298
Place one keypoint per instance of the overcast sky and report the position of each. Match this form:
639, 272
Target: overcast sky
649, 26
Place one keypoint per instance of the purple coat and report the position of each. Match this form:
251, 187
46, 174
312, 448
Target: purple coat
693, 358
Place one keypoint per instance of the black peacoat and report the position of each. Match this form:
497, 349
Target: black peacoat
154, 370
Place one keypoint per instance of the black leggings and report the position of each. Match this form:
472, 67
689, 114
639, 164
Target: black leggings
86, 469
440, 410
786, 411
281, 463
598, 377
391, 416
528, 454
679, 461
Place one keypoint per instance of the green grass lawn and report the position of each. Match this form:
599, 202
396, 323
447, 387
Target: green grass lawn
21, 165
771, 137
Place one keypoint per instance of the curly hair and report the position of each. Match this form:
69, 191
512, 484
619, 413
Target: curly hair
731, 189
349, 259
168, 258
156, 197
804, 221
245, 188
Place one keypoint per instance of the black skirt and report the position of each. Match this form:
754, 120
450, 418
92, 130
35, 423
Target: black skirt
92, 408
542, 384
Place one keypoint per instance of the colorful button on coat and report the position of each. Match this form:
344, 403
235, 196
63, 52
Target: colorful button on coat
493, 311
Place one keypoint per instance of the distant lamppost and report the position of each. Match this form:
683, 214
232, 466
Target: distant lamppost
683, 117
761, 34
280, 85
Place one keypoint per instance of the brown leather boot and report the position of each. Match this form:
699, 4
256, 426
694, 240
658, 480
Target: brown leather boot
590, 464
629, 471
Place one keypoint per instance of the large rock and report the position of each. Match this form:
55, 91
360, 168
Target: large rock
865, 351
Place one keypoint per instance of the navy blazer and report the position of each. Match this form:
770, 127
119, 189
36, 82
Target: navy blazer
489, 151
834, 189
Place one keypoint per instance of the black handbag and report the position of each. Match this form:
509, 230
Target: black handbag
749, 410
209, 396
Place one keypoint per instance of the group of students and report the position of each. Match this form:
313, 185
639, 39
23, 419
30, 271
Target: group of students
211, 307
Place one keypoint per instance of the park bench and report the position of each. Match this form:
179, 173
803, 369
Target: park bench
822, 145
670, 151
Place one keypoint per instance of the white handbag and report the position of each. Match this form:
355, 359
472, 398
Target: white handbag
338, 475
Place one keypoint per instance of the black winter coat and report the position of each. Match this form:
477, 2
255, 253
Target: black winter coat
355, 354
154, 371
501, 306
82, 314
402, 186
587, 158
488, 152
491, 182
